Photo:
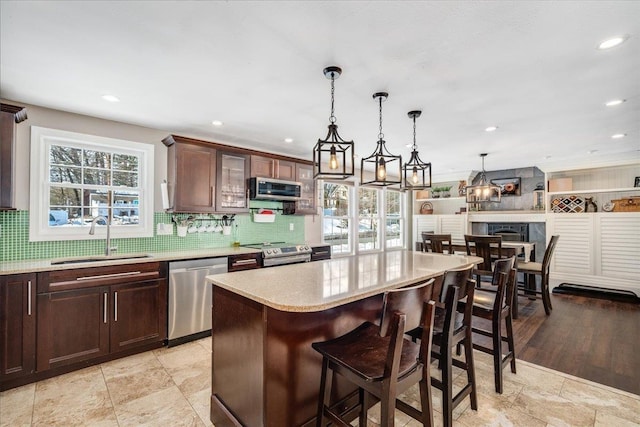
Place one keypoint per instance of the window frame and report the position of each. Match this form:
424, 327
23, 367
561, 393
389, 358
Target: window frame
41, 141
354, 219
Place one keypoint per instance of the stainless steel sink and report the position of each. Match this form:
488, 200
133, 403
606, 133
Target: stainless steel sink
97, 258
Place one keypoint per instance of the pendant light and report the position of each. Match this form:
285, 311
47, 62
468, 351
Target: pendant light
483, 191
417, 174
384, 162
333, 156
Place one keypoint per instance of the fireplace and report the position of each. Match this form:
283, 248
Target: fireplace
510, 231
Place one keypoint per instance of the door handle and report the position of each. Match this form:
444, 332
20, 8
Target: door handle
29, 298
115, 306
106, 302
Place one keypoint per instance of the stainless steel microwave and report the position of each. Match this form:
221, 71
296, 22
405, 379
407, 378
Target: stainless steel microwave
273, 189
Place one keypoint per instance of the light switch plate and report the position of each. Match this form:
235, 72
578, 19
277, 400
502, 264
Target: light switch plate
163, 229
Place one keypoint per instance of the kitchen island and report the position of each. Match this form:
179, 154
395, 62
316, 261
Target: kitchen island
264, 371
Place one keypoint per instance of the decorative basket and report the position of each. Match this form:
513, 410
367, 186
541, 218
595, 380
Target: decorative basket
631, 204
426, 208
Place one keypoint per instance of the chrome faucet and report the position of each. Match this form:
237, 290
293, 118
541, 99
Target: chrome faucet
92, 231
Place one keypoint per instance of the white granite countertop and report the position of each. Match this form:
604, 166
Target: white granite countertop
317, 286
36, 265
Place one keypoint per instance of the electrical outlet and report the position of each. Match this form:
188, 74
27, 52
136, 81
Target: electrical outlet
163, 229
290, 226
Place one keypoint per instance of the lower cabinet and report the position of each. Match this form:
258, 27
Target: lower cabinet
93, 313
17, 326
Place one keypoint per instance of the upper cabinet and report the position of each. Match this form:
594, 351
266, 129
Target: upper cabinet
206, 177
191, 172
307, 203
9, 116
268, 167
231, 189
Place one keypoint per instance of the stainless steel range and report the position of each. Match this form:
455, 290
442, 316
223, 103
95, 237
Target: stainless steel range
280, 253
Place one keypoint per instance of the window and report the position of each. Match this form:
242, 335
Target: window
76, 178
347, 220
395, 213
368, 219
336, 217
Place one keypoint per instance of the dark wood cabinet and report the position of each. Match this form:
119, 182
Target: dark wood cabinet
92, 314
139, 314
307, 203
241, 262
191, 172
9, 116
231, 188
320, 252
269, 167
17, 326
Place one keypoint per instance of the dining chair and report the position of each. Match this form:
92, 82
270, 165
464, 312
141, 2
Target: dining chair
452, 327
532, 270
381, 362
488, 248
437, 243
496, 307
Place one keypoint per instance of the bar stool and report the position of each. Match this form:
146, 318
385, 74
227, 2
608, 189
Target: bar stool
533, 269
488, 248
496, 306
380, 361
437, 243
452, 327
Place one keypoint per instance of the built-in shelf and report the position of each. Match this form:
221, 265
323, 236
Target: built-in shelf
438, 199
603, 190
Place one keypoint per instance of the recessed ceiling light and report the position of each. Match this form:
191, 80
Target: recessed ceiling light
217, 123
612, 42
615, 102
111, 98
409, 145
618, 135
288, 140
491, 129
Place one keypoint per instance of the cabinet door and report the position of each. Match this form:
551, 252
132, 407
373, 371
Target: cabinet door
262, 167
138, 314
286, 170
307, 202
17, 325
231, 189
195, 179
73, 326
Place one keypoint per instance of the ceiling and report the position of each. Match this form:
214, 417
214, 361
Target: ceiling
531, 68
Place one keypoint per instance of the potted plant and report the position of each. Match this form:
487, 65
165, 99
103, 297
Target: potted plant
436, 192
445, 191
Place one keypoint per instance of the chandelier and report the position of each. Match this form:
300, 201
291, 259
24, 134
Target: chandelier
417, 174
483, 191
333, 156
382, 160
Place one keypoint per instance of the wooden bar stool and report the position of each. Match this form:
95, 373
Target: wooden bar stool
533, 269
380, 361
452, 327
496, 306
437, 243
488, 248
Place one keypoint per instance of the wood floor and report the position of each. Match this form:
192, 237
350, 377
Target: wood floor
590, 338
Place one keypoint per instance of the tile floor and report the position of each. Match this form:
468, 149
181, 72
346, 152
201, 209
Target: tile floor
171, 386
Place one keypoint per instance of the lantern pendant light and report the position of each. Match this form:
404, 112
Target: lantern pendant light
483, 191
387, 167
333, 157
417, 174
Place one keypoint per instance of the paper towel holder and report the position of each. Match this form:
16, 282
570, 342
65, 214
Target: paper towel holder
164, 190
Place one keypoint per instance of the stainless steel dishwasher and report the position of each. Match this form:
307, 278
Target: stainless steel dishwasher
190, 298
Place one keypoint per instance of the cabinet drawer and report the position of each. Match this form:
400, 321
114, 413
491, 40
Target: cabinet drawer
244, 261
320, 252
62, 280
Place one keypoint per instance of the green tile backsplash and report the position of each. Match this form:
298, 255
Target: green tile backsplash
15, 244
